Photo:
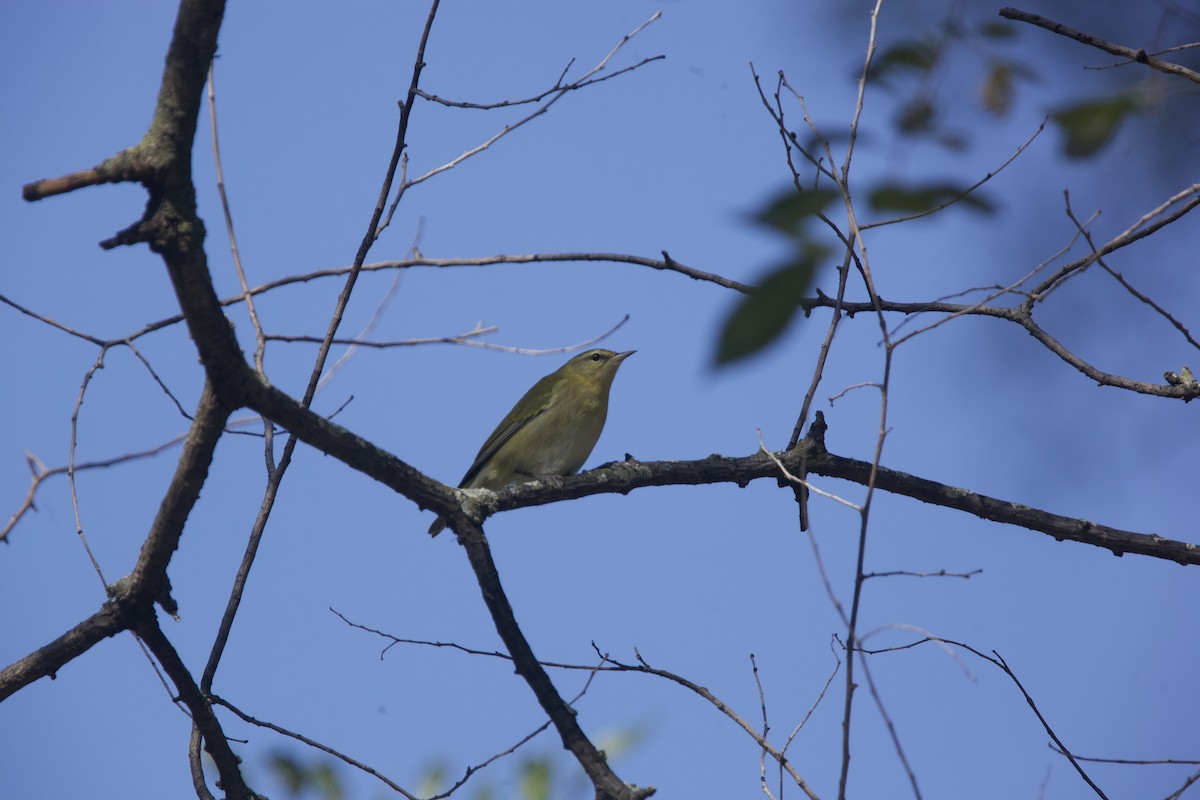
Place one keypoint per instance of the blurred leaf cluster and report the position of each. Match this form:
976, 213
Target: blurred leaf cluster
549, 776
923, 73
909, 69
763, 315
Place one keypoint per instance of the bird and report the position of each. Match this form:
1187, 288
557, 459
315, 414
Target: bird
552, 428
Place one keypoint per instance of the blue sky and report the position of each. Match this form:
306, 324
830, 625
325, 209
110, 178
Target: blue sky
675, 156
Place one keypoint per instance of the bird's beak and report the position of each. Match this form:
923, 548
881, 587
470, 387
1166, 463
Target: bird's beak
619, 357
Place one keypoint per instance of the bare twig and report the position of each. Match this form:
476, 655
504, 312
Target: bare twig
278, 470
1087, 235
998, 661
941, 573
864, 266
554, 94
1129, 761
965, 192
376, 315
790, 478
468, 772
277, 473
1134, 55
666, 264
766, 729
891, 729
1191, 779
837, 664
1015, 315
558, 86
87, 337
1153, 220
242, 715
260, 349
41, 473
643, 667
789, 140
469, 339
87, 379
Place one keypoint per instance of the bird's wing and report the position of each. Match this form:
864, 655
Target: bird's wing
497, 440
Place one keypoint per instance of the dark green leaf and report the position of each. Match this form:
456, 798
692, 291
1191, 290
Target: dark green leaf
1091, 125
790, 212
914, 55
763, 315
913, 199
997, 30
916, 116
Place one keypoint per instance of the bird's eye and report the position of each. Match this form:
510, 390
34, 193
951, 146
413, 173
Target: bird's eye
597, 357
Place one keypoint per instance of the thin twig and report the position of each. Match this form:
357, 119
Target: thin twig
965, 192
998, 661
40, 473
1129, 761
1153, 220
161, 383
643, 667
260, 343
87, 379
766, 729
554, 94
1087, 235
216, 700
941, 573
1134, 55
380, 307
558, 86
468, 339
891, 729
790, 478
1191, 779
233, 246
864, 265
849, 256
87, 337
279, 470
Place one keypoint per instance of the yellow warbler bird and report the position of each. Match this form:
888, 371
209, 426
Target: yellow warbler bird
551, 430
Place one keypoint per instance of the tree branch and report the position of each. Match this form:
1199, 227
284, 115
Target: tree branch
624, 477
215, 741
46, 661
1139, 56
595, 764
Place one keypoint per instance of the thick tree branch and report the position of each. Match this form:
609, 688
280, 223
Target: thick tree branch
624, 477
46, 661
608, 785
215, 741
162, 162
149, 578
148, 584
